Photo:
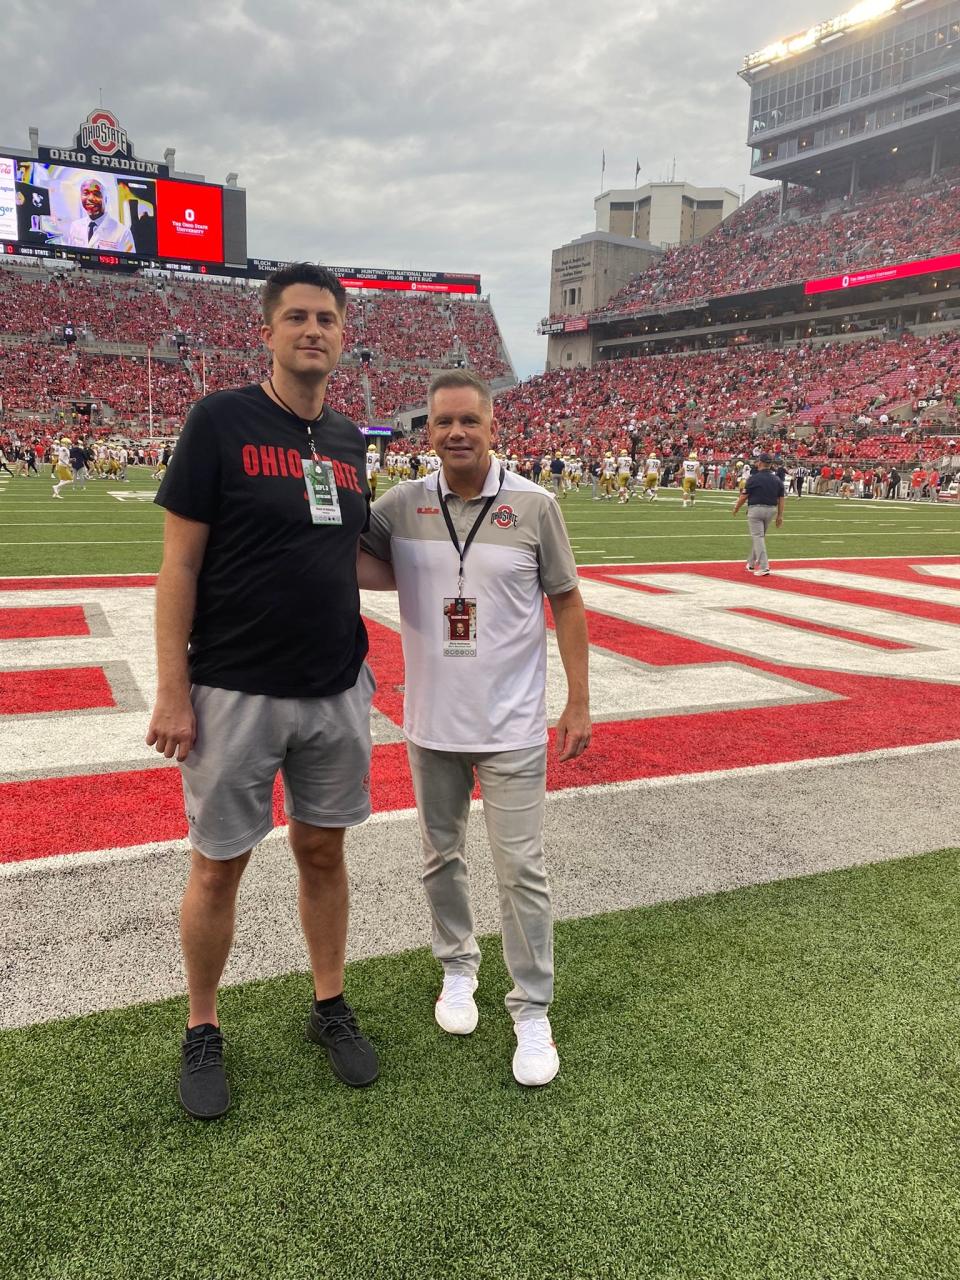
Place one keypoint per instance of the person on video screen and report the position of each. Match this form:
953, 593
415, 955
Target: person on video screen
96, 229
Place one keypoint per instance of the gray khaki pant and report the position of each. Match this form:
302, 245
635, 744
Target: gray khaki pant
758, 522
513, 785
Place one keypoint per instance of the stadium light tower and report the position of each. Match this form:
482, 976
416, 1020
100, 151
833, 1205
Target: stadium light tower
830, 106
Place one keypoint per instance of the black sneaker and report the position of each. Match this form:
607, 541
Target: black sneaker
203, 1089
352, 1056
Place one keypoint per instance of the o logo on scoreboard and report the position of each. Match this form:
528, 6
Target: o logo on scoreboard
189, 215
846, 282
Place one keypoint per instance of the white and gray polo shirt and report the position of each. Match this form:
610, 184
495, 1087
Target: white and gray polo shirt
495, 701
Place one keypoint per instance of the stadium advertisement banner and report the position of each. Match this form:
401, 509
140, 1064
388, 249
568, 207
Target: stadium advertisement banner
85, 209
190, 221
883, 275
382, 278
8, 199
576, 325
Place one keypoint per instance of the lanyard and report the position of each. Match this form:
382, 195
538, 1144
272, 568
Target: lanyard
309, 425
462, 552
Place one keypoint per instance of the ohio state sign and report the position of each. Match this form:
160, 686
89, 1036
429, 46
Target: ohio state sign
102, 142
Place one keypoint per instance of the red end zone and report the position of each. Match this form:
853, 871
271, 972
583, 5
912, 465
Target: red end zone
45, 816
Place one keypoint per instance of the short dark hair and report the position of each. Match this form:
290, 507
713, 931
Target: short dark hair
460, 378
299, 273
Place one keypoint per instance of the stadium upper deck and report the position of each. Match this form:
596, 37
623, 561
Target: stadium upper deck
757, 249
872, 91
857, 118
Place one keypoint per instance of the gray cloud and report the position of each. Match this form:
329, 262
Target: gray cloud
446, 136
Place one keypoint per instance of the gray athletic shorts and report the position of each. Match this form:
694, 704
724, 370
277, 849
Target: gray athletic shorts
320, 745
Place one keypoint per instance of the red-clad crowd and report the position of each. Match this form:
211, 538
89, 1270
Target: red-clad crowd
862, 399
753, 249
205, 334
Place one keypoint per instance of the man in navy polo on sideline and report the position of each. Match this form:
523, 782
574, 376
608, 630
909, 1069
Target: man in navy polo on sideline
764, 495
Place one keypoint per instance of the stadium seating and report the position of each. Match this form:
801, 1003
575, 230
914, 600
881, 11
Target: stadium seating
809, 396
754, 250
402, 340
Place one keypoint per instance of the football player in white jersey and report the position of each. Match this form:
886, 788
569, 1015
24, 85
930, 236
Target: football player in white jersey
373, 469
608, 475
692, 473
651, 477
62, 470
623, 476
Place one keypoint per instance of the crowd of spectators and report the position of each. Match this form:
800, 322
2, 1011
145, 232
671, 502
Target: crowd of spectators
832, 400
204, 335
754, 249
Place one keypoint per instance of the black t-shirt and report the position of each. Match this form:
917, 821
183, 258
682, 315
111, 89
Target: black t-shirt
278, 607
764, 489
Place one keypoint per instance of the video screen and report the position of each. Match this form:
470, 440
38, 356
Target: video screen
86, 209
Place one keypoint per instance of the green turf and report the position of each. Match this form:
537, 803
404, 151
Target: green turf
761, 1084
94, 532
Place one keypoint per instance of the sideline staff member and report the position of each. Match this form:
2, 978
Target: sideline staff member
474, 548
265, 501
764, 495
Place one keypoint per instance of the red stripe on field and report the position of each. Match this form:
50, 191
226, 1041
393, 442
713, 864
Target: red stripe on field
386, 662
69, 815
868, 595
145, 806
835, 633
62, 689
74, 584
37, 624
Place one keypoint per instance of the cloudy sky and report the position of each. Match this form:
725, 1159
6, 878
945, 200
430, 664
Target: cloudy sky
437, 135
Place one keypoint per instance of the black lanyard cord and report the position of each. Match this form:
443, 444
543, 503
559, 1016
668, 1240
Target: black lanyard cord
307, 423
462, 551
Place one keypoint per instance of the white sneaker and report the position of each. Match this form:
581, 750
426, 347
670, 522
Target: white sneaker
456, 1009
536, 1060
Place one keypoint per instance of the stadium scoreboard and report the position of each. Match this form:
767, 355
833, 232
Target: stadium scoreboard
97, 203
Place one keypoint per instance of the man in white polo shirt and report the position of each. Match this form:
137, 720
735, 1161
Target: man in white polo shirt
474, 550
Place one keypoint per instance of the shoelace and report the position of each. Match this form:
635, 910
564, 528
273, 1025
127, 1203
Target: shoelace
457, 990
536, 1038
340, 1026
204, 1051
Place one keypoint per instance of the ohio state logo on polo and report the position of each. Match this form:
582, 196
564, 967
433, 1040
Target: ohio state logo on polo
504, 516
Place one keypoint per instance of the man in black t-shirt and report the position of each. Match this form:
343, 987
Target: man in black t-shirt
260, 656
764, 495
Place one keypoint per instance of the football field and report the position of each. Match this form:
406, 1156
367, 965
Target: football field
115, 528
757, 946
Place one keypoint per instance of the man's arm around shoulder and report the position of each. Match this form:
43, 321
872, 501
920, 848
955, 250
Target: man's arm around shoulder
173, 727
